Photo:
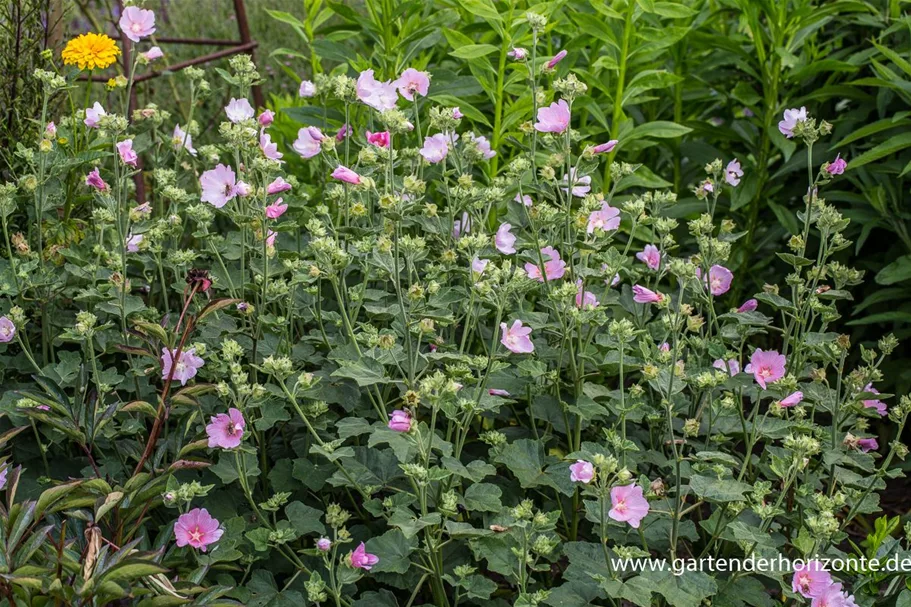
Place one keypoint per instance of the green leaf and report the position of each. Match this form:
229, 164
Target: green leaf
483, 497
714, 490
897, 271
366, 372
525, 459
886, 148
473, 51
658, 129
393, 550
687, 590
304, 519
131, 569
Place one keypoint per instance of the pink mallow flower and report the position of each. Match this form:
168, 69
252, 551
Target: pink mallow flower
137, 23
276, 209
309, 142
266, 118
436, 148
877, 404
381, 96
7, 330
581, 472
226, 430
243, 189
278, 186
269, 149
153, 53
323, 544
93, 179
400, 421
504, 240
650, 256
733, 173
606, 219
556, 59
580, 185
479, 265
790, 119
867, 444
133, 243
767, 366
730, 366
307, 89
554, 267
516, 338
837, 166
526, 199
498, 392
810, 579
518, 53
93, 115
646, 296
343, 173
197, 528
360, 558
481, 144
127, 155
629, 505
719, 280
792, 399
239, 110
748, 306
554, 118
343, 132
185, 369
412, 81
219, 185
380, 140
606, 147
585, 299
833, 596
182, 139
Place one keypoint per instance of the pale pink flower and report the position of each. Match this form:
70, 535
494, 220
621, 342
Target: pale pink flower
239, 110
309, 141
629, 505
605, 148
436, 148
481, 144
278, 186
708, 186
581, 472
50, 130
767, 367
461, 226
197, 528
733, 173
606, 219
412, 81
556, 59
269, 149
270, 239
380, 140
143, 210
646, 296
457, 113
400, 421
580, 185
498, 392
650, 256
381, 96
360, 558
526, 199
218, 186
837, 166
266, 118
719, 280
93, 179
7, 330
133, 243
153, 53
516, 338
554, 118
518, 53
790, 119
479, 265
792, 399
748, 306
127, 155
867, 444
343, 132
276, 209
877, 404
585, 299
93, 115
185, 369
307, 89
323, 544
666, 347
343, 173
731, 366
554, 267
243, 189
182, 139
504, 240
810, 579
832, 596
226, 430
137, 23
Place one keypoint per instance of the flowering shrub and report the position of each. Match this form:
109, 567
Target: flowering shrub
395, 376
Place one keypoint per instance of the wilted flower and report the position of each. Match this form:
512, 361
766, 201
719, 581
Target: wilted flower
278, 186
183, 139
309, 142
266, 118
837, 166
650, 256
380, 140
133, 243
276, 209
343, 173
153, 53
93, 179
517, 53
269, 149
7, 330
323, 544
795, 398
400, 421
556, 59
127, 155
646, 296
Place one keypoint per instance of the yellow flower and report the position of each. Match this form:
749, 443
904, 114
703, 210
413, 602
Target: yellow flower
90, 51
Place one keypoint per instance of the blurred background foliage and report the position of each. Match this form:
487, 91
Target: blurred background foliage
679, 82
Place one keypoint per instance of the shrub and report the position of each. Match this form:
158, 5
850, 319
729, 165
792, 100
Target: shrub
398, 375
